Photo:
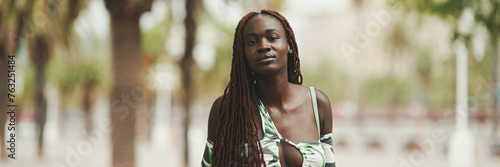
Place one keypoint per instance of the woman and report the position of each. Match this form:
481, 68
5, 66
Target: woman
265, 116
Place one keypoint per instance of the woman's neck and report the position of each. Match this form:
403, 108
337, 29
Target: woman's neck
273, 91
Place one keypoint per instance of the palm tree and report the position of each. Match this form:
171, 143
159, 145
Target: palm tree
90, 79
72, 75
56, 28
8, 45
39, 51
41, 35
10, 42
126, 53
187, 64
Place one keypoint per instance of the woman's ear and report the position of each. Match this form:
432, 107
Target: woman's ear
290, 51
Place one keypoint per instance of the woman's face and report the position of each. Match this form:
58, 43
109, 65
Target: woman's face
265, 44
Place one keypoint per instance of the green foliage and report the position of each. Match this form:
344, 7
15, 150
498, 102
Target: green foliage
424, 63
328, 77
444, 9
212, 82
442, 90
383, 91
60, 74
443, 85
276, 4
480, 87
71, 75
153, 40
28, 95
442, 95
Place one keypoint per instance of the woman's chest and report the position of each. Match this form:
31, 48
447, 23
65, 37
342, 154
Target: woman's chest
297, 126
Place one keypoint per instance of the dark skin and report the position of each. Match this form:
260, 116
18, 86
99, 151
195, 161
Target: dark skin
289, 105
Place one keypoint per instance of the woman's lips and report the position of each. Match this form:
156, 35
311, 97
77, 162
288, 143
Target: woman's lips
267, 59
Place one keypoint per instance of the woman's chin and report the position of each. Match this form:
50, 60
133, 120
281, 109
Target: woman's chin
269, 70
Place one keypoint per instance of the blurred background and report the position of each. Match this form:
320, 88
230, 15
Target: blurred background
130, 83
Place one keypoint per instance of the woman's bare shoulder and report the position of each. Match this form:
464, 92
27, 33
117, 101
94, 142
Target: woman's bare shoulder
325, 112
213, 118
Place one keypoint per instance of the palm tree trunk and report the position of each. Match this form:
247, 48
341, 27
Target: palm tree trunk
126, 62
126, 50
150, 114
39, 53
87, 107
187, 68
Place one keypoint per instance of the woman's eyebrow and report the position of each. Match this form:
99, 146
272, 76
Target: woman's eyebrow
267, 31
251, 35
271, 30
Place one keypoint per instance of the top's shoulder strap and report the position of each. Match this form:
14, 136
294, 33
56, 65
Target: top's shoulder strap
315, 108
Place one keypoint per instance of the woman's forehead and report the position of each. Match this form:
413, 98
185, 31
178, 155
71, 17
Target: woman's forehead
262, 23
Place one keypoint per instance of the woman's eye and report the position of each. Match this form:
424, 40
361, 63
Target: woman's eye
272, 39
252, 42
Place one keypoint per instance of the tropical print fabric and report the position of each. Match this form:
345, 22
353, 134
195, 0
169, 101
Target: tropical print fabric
316, 153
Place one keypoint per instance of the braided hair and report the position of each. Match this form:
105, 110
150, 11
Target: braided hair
236, 141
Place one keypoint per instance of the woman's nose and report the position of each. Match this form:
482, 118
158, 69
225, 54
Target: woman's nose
264, 46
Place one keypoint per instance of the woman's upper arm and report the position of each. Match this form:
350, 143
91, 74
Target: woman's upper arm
325, 112
213, 118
